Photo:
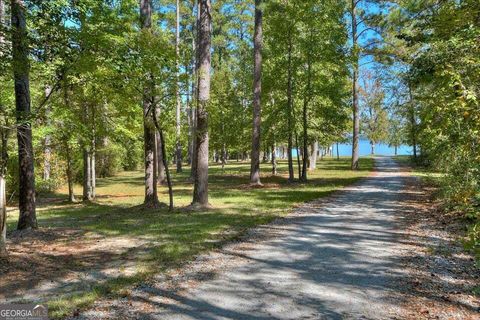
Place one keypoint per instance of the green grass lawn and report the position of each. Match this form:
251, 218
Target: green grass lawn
176, 237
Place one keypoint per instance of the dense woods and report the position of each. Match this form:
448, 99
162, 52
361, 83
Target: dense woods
91, 88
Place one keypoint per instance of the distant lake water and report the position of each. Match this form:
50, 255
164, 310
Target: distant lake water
381, 149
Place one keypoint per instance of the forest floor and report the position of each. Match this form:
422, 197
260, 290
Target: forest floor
443, 279
84, 252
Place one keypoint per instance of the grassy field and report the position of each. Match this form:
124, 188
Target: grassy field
174, 238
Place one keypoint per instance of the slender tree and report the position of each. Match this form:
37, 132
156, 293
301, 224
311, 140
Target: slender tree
47, 149
355, 107
200, 190
195, 89
274, 159
177, 89
3, 164
151, 197
161, 176
21, 71
257, 93
89, 178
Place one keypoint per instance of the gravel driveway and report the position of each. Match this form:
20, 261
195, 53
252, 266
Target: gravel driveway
335, 258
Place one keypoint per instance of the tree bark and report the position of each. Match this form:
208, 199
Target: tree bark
2, 17
93, 175
21, 71
151, 197
177, 90
306, 98
299, 166
87, 187
3, 218
257, 94
3, 166
372, 145
191, 95
87, 162
356, 114
71, 194
313, 156
224, 156
274, 160
338, 153
161, 145
160, 163
3, 191
47, 151
413, 123
291, 175
195, 85
200, 190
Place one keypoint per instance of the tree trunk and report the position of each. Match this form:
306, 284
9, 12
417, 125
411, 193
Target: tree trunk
71, 195
2, 17
164, 160
372, 145
159, 160
396, 149
21, 70
87, 180
151, 197
93, 175
224, 156
3, 192
266, 156
356, 113
305, 122
177, 90
195, 85
291, 176
93, 150
338, 153
413, 123
87, 162
190, 133
274, 160
298, 156
3, 218
47, 151
3, 166
313, 156
192, 96
200, 190
257, 93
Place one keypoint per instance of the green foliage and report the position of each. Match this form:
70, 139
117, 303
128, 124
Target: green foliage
109, 160
472, 242
437, 45
374, 114
317, 36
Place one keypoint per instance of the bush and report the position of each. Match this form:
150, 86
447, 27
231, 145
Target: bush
472, 242
108, 160
133, 155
